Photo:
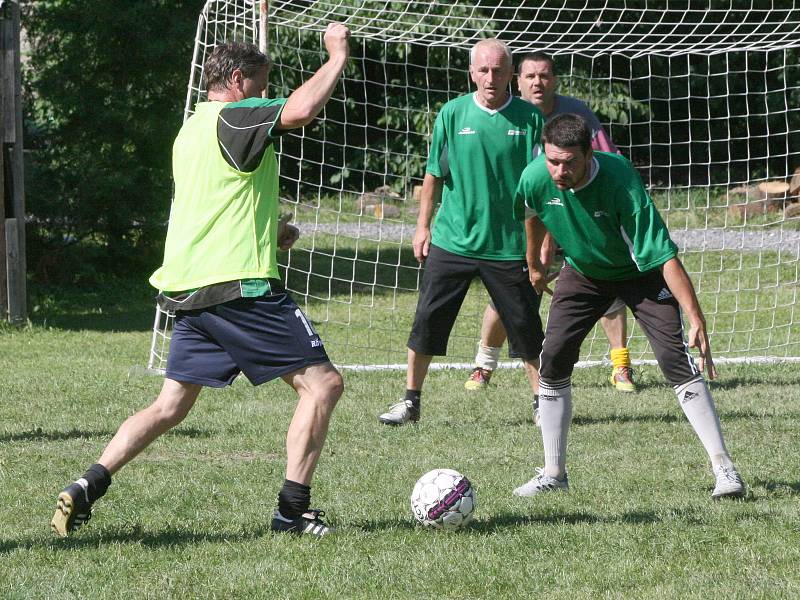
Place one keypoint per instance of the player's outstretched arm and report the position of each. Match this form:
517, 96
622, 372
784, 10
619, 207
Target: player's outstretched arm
307, 101
681, 287
431, 194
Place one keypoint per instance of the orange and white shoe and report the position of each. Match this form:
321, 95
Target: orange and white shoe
622, 379
478, 379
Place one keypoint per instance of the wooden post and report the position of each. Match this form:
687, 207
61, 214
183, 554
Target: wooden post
3, 261
14, 224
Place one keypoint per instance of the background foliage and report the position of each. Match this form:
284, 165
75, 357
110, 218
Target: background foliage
104, 92
105, 85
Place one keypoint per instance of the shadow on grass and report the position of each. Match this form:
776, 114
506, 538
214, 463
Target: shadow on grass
126, 305
116, 304
510, 521
39, 435
135, 318
763, 377
163, 539
661, 418
778, 488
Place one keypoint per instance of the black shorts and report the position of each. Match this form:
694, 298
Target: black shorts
445, 283
263, 338
578, 302
615, 307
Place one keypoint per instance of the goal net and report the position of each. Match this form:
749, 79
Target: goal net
702, 97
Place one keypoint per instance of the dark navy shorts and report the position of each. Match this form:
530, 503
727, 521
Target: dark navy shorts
264, 338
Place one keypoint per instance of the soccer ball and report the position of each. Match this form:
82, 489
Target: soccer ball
443, 499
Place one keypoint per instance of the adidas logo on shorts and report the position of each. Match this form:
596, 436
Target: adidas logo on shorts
664, 294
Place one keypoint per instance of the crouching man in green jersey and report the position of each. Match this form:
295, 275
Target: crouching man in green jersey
615, 245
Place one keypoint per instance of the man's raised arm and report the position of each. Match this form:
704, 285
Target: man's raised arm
307, 101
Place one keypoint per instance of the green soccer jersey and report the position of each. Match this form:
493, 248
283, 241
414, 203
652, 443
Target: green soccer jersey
481, 154
609, 229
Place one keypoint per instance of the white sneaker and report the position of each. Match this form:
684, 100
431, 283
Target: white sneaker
542, 483
400, 414
729, 483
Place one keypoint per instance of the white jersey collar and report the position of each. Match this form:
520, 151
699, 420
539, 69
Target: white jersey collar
593, 170
491, 111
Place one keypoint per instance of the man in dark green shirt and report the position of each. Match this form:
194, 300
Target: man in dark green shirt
615, 245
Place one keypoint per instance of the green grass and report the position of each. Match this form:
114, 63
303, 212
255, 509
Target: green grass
356, 292
189, 518
681, 208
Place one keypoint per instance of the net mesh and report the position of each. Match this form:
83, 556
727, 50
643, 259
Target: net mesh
702, 97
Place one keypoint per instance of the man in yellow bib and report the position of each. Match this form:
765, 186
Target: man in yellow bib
220, 276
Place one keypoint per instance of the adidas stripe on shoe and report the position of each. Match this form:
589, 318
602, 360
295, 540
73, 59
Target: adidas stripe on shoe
728, 483
73, 509
542, 483
309, 523
400, 413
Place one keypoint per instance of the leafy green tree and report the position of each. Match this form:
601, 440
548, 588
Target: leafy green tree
104, 90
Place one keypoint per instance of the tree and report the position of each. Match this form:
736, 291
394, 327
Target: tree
104, 90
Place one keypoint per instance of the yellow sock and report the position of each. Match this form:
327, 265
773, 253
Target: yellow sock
620, 357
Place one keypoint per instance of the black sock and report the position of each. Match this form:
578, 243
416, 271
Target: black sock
414, 396
98, 478
293, 499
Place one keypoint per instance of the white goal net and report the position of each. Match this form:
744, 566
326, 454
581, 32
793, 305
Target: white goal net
703, 97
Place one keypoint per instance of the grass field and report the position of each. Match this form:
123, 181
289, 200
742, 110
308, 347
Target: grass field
189, 518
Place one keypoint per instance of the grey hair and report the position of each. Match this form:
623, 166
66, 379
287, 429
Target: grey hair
494, 43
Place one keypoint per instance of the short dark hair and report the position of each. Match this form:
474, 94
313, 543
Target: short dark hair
537, 56
568, 130
226, 58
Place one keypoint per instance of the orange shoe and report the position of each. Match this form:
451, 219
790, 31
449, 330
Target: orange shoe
478, 379
622, 379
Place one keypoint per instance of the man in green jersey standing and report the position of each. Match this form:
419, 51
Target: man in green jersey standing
481, 144
220, 275
615, 246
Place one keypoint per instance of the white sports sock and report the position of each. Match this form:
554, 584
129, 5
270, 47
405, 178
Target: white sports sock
487, 356
698, 406
555, 415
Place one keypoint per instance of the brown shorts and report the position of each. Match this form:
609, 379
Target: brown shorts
579, 301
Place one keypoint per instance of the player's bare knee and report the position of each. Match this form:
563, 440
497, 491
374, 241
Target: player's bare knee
174, 403
330, 386
321, 383
169, 414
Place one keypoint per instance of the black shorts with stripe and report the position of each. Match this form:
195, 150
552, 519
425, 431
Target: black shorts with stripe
578, 303
445, 283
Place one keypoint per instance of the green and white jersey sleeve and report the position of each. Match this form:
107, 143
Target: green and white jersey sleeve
609, 229
480, 154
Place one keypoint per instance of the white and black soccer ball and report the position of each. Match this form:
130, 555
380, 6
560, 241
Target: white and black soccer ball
443, 499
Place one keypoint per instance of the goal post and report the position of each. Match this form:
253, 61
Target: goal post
705, 101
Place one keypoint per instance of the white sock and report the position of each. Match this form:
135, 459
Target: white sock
698, 406
555, 415
487, 356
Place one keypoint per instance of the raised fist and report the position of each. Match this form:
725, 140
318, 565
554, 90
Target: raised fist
336, 40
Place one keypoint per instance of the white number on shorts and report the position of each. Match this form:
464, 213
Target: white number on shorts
299, 314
